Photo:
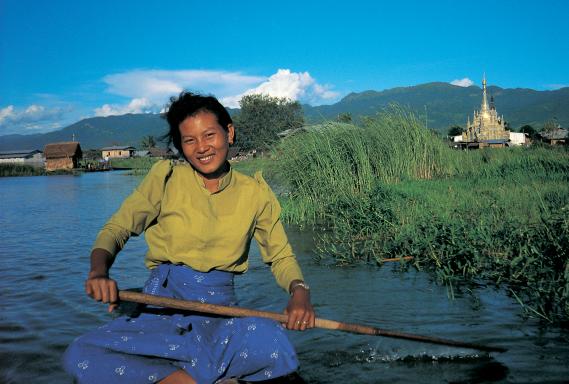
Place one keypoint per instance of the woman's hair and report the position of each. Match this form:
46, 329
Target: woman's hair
189, 104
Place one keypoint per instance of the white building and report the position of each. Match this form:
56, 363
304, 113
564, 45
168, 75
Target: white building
23, 157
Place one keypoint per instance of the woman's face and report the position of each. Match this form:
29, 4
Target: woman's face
205, 143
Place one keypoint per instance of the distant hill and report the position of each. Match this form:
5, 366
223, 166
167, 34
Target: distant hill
446, 105
95, 132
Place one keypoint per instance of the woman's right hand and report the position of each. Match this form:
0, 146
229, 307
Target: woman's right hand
98, 284
102, 288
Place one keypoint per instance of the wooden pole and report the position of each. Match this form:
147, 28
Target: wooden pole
196, 306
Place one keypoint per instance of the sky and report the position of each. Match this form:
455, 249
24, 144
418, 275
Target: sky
62, 60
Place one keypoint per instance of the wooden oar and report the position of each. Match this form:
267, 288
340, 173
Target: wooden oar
197, 306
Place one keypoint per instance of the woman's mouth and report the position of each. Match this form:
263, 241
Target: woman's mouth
205, 159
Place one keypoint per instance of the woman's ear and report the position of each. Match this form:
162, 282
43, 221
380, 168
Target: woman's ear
230, 133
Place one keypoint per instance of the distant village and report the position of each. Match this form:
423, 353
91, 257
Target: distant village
68, 156
486, 129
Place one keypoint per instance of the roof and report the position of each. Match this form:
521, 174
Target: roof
25, 153
59, 150
118, 148
557, 134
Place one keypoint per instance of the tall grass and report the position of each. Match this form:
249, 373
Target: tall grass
335, 161
390, 188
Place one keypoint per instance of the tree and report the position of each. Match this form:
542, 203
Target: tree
529, 130
344, 117
148, 142
455, 130
262, 117
550, 125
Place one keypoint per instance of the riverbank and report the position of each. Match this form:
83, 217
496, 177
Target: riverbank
390, 188
137, 166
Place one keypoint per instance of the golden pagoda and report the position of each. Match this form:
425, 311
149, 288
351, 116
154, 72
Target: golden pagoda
486, 128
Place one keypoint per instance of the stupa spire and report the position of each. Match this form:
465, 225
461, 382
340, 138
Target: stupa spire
484, 107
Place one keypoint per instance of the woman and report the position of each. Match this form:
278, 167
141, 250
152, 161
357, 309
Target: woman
198, 216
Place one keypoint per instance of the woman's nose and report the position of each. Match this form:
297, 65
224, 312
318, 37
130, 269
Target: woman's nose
202, 146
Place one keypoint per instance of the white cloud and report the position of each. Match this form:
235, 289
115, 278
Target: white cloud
465, 82
141, 105
286, 84
149, 90
158, 85
554, 87
32, 118
6, 113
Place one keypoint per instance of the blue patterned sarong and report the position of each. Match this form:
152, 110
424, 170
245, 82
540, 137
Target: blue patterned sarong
147, 347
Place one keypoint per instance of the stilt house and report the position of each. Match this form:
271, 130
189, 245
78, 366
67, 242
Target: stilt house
62, 155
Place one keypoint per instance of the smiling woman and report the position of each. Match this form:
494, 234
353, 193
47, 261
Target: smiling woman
199, 217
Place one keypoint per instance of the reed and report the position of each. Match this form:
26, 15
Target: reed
334, 161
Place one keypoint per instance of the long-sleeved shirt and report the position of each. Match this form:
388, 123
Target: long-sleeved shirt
184, 223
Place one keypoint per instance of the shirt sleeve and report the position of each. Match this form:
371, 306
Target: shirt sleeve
271, 237
137, 211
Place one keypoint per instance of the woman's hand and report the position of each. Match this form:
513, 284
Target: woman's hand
98, 284
102, 288
299, 310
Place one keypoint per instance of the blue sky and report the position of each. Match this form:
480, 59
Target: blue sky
61, 61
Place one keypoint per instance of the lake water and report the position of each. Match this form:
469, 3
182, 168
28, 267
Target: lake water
47, 226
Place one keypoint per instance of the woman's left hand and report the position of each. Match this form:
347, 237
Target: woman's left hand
299, 310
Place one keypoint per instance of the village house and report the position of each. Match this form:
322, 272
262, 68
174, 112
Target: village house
558, 136
34, 157
62, 155
117, 152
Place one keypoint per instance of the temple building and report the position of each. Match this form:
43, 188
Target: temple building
487, 129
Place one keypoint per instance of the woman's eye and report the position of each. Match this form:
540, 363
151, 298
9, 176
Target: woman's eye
189, 141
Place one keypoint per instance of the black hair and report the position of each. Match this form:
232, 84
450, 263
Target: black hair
189, 104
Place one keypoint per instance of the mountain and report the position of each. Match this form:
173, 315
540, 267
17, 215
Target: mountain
446, 105
95, 132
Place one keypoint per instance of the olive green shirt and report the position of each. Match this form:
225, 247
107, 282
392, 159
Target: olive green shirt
186, 224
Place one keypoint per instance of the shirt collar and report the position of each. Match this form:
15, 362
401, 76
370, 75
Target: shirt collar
223, 182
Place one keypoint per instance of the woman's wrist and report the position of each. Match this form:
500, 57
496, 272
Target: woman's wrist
97, 274
297, 286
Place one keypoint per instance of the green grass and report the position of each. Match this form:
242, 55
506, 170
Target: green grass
390, 188
252, 165
136, 163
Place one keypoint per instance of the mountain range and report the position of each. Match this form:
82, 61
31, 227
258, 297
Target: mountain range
440, 105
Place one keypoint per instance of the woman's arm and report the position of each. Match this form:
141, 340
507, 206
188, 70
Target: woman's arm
276, 251
136, 213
